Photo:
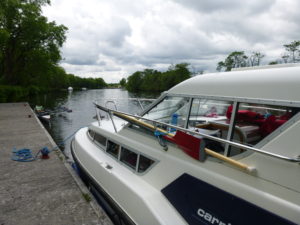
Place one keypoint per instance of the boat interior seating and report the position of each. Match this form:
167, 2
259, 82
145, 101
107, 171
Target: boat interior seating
266, 123
252, 121
249, 127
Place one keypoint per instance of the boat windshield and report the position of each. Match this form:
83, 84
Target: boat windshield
205, 110
172, 110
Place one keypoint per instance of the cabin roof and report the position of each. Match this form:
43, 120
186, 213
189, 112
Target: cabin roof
281, 84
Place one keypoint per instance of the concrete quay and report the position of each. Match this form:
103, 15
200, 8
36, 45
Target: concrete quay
44, 191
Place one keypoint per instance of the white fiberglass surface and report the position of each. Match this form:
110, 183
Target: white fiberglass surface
278, 84
113, 177
108, 125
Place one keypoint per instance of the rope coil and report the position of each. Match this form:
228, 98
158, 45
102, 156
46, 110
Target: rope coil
22, 155
25, 154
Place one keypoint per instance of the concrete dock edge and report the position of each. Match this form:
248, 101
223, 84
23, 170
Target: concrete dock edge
43, 191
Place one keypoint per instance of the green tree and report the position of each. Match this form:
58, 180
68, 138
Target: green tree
285, 58
273, 63
181, 72
78, 82
29, 44
134, 81
150, 80
293, 49
220, 66
123, 82
233, 60
100, 83
153, 80
255, 58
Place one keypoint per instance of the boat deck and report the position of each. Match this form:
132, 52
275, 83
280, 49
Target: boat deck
41, 191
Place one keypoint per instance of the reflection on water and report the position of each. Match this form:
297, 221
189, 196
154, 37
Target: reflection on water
64, 124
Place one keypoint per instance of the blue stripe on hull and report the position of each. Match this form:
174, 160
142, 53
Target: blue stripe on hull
201, 203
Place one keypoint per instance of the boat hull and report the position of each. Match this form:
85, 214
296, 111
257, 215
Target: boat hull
115, 213
200, 198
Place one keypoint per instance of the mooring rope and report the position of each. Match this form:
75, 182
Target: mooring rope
160, 138
25, 154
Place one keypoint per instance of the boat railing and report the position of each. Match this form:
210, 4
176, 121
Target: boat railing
138, 100
156, 124
112, 102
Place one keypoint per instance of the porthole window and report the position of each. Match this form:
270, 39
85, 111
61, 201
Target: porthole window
144, 163
129, 158
100, 139
113, 149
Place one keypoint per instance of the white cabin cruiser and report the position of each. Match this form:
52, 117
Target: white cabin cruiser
218, 148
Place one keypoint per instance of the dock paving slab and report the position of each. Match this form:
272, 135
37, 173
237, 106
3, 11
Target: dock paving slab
43, 191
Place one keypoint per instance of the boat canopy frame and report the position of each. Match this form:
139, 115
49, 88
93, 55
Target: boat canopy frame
213, 138
236, 101
226, 98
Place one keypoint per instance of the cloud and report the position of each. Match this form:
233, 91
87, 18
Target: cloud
112, 38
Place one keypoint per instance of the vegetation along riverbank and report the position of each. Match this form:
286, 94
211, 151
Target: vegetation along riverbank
30, 53
30, 56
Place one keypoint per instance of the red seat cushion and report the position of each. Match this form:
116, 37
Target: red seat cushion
245, 115
271, 124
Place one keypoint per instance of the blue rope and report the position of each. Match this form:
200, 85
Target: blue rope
22, 155
67, 138
25, 154
161, 140
158, 133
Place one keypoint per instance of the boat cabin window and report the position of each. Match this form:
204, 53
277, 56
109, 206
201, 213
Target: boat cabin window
134, 160
144, 164
100, 139
113, 149
172, 110
206, 110
91, 133
250, 125
129, 158
203, 115
253, 122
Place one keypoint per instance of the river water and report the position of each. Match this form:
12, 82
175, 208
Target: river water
64, 124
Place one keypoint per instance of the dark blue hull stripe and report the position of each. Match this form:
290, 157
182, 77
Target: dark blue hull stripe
201, 203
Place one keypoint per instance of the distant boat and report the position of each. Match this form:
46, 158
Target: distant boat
41, 113
84, 88
70, 89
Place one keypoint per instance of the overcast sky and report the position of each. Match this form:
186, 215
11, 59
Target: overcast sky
114, 38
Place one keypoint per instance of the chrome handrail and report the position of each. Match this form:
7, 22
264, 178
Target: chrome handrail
111, 101
234, 144
139, 101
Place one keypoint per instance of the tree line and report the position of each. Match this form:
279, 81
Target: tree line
153, 80
30, 50
30, 55
238, 59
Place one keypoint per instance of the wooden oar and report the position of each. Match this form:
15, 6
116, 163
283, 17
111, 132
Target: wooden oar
142, 123
233, 162
210, 152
